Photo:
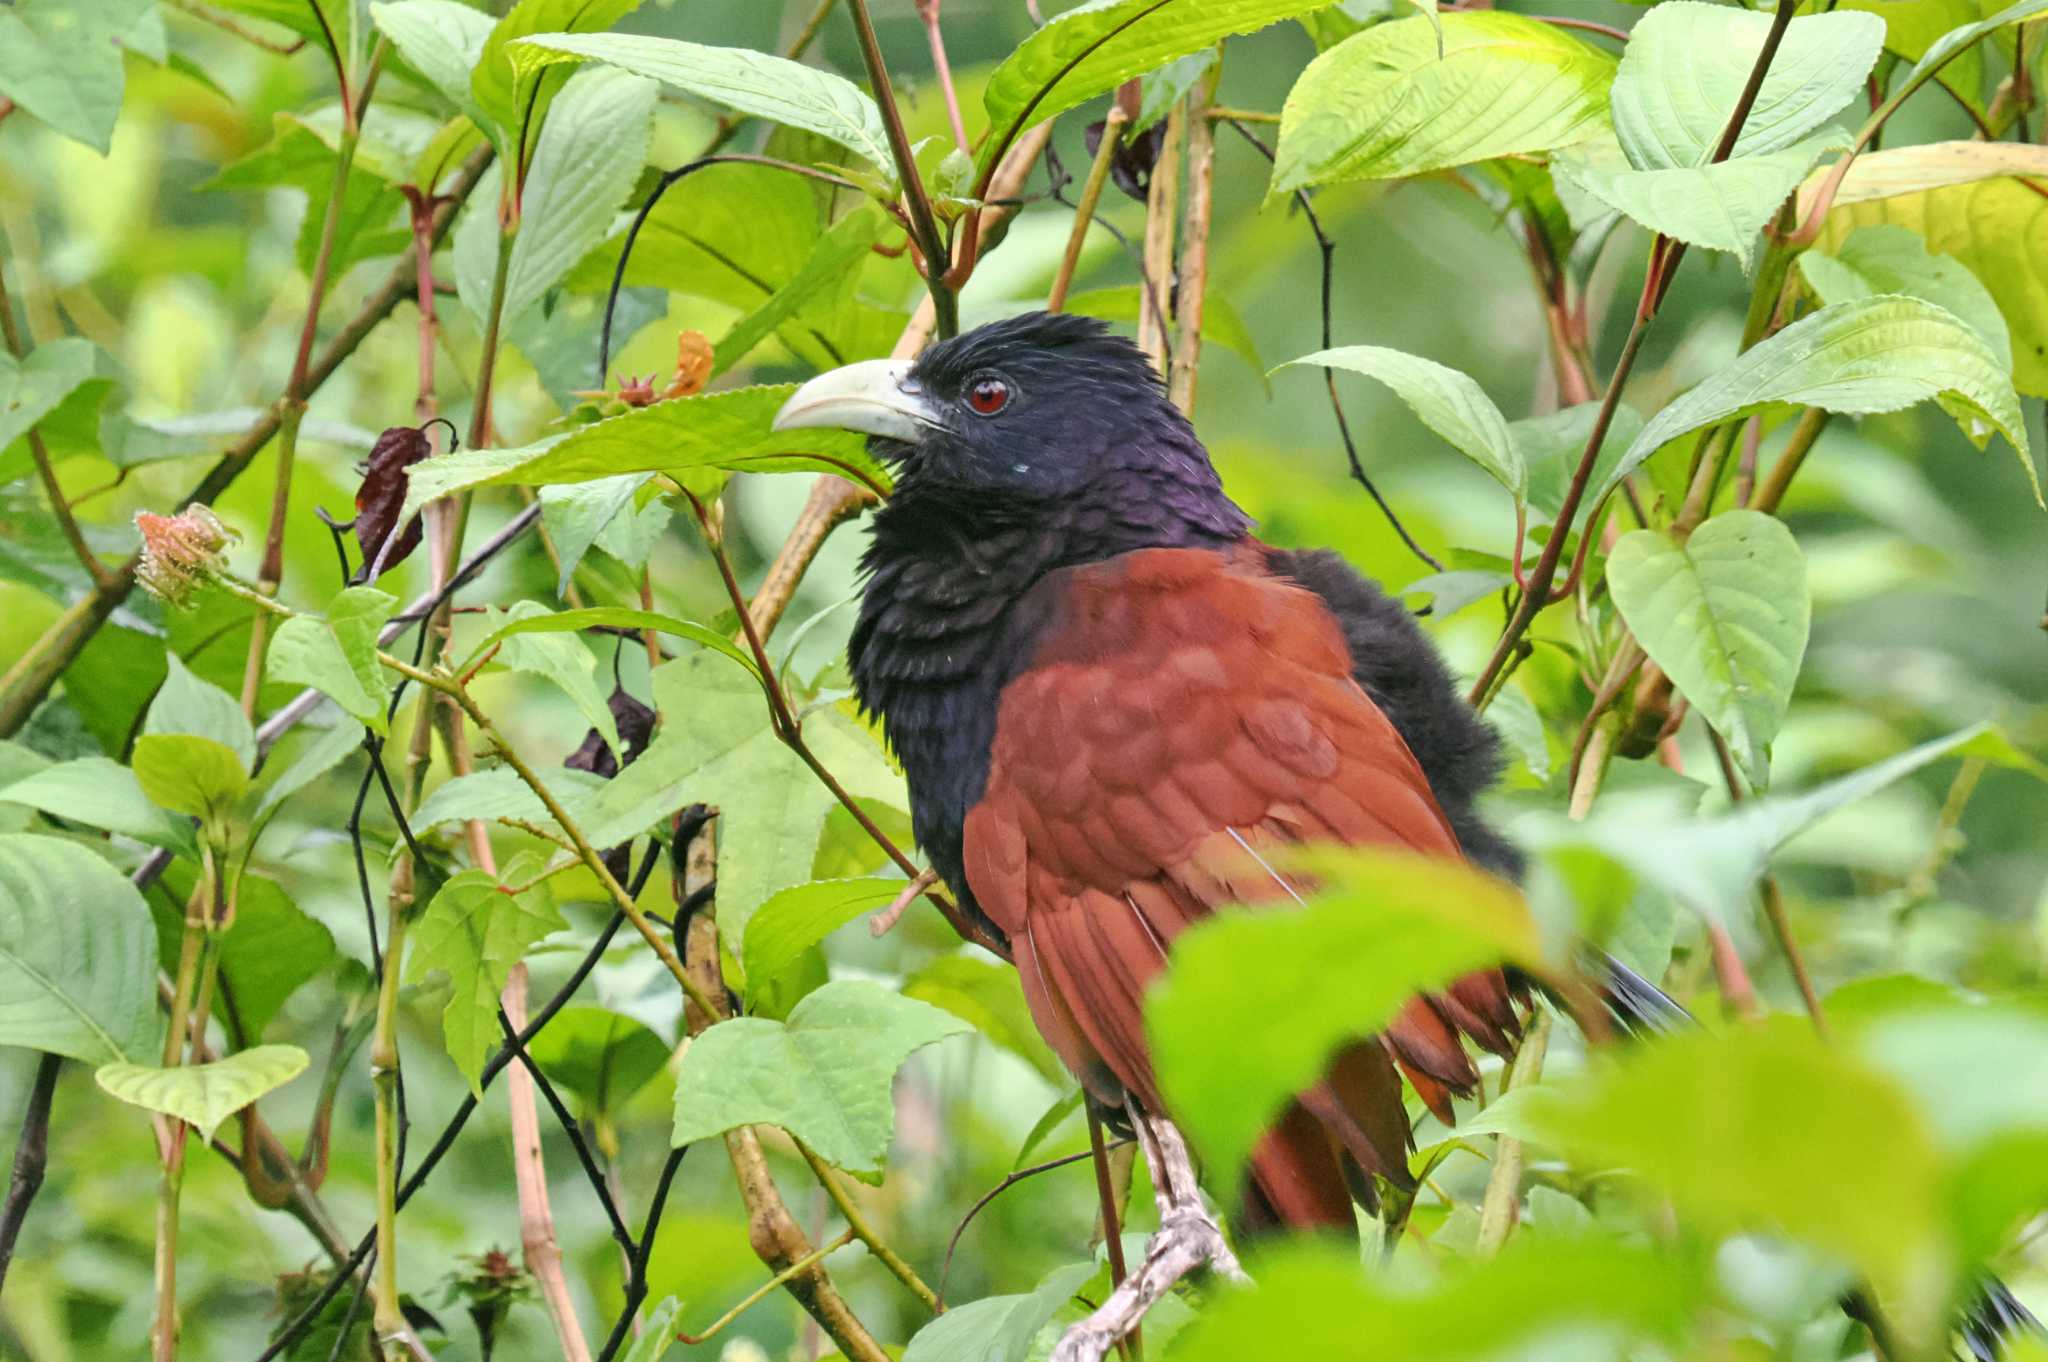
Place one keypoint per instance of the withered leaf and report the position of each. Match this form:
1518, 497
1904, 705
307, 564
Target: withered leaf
382, 494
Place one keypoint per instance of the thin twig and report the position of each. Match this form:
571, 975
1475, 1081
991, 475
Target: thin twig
928, 10
1193, 276
1009, 1181
636, 1282
1501, 1205
31, 1157
801, 1265
1113, 124
924, 225
857, 1224
574, 1132
1162, 212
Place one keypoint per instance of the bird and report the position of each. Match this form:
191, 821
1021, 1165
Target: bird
1113, 704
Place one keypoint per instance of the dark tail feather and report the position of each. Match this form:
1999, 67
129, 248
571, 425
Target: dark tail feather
1640, 1008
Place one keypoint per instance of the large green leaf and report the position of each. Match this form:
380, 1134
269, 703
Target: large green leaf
443, 40
1994, 225
834, 262
1387, 926
1714, 863
1872, 355
337, 655
988, 997
1930, 165
77, 954
273, 949
997, 1328
740, 79
1725, 614
1551, 445
1446, 400
1948, 46
1765, 1126
475, 931
185, 704
187, 774
604, 1057
101, 793
1886, 259
1721, 207
617, 617
1094, 47
798, 918
725, 431
61, 61
557, 658
825, 1075
1315, 1296
717, 746
1391, 101
510, 94
204, 1095
30, 388
1687, 63
585, 163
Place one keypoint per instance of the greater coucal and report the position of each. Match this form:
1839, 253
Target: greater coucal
1111, 701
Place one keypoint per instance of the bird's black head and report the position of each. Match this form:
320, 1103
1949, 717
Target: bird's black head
1038, 410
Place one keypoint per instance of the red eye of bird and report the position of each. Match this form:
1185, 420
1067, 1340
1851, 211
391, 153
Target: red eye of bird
987, 396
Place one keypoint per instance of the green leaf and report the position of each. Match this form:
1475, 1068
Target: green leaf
1449, 402
837, 259
1551, 445
726, 431
500, 793
798, 918
475, 931
998, 1328
988, 997
190, 775
1947, 46
575, 514
1985, 218
1886, 259
717, 747
1705, 1118
1713, 863
1094, 47
1385, 927
617, 617
1872, 355
102, 793
603, 1057
77, 954
1892, 171
505, 91
745, 81
442, 39
204, 1095
1221, 323
563, 662
186, 704
584, 166
1687, 63
1383, 104
1725, 614
659, 1335
273, 949
1719, 207
1511, 1305
305, 650
61, 61
31, 388
825, 1075
1055, 1116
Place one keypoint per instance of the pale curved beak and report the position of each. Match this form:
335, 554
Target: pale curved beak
874, 397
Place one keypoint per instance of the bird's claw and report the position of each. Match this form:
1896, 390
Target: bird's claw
1188, 1238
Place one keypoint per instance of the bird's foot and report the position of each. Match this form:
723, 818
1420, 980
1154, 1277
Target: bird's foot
1188, 1238
881, 922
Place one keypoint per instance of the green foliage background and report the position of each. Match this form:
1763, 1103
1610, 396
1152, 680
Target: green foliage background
171, 264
